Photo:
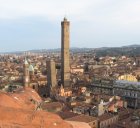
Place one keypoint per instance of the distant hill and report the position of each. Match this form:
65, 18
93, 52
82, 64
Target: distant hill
134, 46
130, 50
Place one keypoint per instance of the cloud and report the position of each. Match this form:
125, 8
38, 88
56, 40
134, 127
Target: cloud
93, 22
121, 11
110, 10
51, 9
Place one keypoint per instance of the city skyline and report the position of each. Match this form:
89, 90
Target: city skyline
26, 25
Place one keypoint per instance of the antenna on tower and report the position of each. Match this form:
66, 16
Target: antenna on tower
65, 16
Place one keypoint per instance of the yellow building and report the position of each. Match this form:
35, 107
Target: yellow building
128, 77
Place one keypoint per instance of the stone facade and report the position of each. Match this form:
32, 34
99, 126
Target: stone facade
101, 86
130, 91
106, 120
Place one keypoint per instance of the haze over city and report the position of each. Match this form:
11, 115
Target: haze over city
35, 24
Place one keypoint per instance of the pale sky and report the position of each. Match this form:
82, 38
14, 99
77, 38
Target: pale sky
36, 24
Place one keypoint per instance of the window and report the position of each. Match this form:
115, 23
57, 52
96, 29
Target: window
128, 94
125, 93
135, 94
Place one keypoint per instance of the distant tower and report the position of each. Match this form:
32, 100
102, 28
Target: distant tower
51, 74
65, 64
26, 79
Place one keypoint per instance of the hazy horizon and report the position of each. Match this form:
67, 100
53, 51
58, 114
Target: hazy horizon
36, 24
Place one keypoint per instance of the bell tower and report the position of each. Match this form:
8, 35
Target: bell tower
26, 79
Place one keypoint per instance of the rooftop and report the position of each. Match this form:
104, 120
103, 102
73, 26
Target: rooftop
82, 118
106, 116
67, 114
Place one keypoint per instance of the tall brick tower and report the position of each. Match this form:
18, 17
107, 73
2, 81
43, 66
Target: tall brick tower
26, 79
65, 41
51, 74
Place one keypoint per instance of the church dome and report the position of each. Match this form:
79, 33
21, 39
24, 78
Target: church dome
31, 68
